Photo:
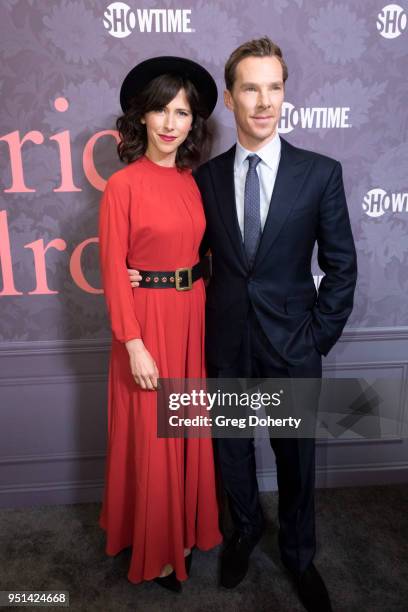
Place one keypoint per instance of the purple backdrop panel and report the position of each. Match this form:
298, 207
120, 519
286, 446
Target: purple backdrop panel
62, 64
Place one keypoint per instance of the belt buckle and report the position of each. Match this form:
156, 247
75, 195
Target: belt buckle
179, 279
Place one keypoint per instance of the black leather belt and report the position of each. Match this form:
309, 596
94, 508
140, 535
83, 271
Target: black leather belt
181, 279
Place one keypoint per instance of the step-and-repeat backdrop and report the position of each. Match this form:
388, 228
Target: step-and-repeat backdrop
62, 64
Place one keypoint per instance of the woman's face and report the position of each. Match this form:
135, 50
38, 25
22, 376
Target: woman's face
167, 129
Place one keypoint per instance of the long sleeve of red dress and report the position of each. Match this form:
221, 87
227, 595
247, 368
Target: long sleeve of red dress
114, 231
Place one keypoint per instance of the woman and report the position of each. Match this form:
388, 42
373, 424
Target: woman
160, 495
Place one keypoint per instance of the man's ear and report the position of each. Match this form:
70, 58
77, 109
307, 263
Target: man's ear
142, 120
228, 101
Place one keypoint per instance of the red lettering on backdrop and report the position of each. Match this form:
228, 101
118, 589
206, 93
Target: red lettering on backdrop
15, 146
67, 181
6, 264
39, 252
76, 268
88, 159
64, 143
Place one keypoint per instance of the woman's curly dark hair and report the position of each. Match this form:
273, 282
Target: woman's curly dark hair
155, 96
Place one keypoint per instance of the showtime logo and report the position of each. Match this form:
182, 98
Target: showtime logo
391, 21
313, 117
120, 20
377, 202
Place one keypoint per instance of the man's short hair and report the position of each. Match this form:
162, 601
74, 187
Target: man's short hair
259, 47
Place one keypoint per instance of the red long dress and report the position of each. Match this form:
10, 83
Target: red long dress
160, 494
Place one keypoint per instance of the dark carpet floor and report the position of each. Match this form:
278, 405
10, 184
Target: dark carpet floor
362, 554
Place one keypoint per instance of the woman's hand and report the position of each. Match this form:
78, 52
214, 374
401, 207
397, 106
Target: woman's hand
134, 277
143, 367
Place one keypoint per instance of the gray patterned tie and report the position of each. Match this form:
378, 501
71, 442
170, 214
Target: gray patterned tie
252, 211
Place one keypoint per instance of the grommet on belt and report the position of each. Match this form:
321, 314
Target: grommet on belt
181, 279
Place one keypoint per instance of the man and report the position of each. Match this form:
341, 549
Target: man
267, 203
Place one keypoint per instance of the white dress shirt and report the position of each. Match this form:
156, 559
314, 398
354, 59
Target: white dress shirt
266, 169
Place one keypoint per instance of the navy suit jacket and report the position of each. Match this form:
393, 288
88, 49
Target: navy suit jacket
308, 206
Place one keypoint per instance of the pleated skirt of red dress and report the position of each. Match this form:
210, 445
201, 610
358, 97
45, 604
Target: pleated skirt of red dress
160, 493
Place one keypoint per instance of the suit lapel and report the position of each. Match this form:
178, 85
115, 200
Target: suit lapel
289, 180
223, 176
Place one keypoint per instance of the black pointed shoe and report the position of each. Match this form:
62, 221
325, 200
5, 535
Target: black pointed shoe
188, 560
169, 582
312, 591
235, 559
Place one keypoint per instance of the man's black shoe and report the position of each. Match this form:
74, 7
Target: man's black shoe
235, 559
312, 591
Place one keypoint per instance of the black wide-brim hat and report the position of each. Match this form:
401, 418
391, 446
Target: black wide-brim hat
149, 69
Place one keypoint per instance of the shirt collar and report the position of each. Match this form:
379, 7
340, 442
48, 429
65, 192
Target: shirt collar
269, 153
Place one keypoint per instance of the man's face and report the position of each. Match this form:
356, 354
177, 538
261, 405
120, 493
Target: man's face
256, 100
